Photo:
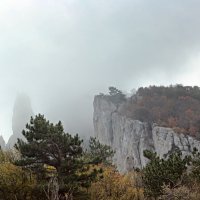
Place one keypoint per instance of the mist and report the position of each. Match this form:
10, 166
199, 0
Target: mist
62, 53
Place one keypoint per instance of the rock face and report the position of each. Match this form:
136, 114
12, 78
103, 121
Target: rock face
22, 113
129, 138
2, 143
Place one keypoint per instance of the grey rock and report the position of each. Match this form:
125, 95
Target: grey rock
2, 143
22, 113
129, 138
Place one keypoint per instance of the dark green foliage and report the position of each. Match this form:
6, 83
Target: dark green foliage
114, 91
195, 165
159, 172
48, 145
116, 96
99, 153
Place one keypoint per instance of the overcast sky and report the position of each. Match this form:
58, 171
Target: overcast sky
63, 52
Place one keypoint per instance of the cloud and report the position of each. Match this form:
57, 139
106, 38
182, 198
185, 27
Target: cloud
64, 52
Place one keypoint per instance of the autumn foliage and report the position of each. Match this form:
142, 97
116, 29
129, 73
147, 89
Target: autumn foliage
176, 106
15, 183
113, 186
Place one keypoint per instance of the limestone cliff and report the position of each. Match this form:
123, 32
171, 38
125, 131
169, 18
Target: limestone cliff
2, 142
129, 138
22, 113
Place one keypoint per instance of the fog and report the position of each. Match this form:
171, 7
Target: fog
63, 52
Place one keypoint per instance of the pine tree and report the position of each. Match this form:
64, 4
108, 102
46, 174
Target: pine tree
159, 172
99, 153
48, 146
116, 96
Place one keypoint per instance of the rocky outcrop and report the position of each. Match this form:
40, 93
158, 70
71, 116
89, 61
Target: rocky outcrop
129, 138
2, 142
22, 113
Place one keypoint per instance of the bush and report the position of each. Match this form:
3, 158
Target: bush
182, 192
114, 186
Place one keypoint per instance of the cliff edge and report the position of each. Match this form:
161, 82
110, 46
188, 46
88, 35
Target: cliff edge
129, 138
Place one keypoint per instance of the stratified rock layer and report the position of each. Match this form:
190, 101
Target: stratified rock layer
129, 138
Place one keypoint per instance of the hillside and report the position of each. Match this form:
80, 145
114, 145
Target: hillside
176, 107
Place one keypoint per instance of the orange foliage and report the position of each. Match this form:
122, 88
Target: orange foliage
176, 106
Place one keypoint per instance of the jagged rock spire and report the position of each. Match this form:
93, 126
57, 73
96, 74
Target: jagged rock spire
22, 112
2, 142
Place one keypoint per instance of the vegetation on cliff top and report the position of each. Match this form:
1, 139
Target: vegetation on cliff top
175, 106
